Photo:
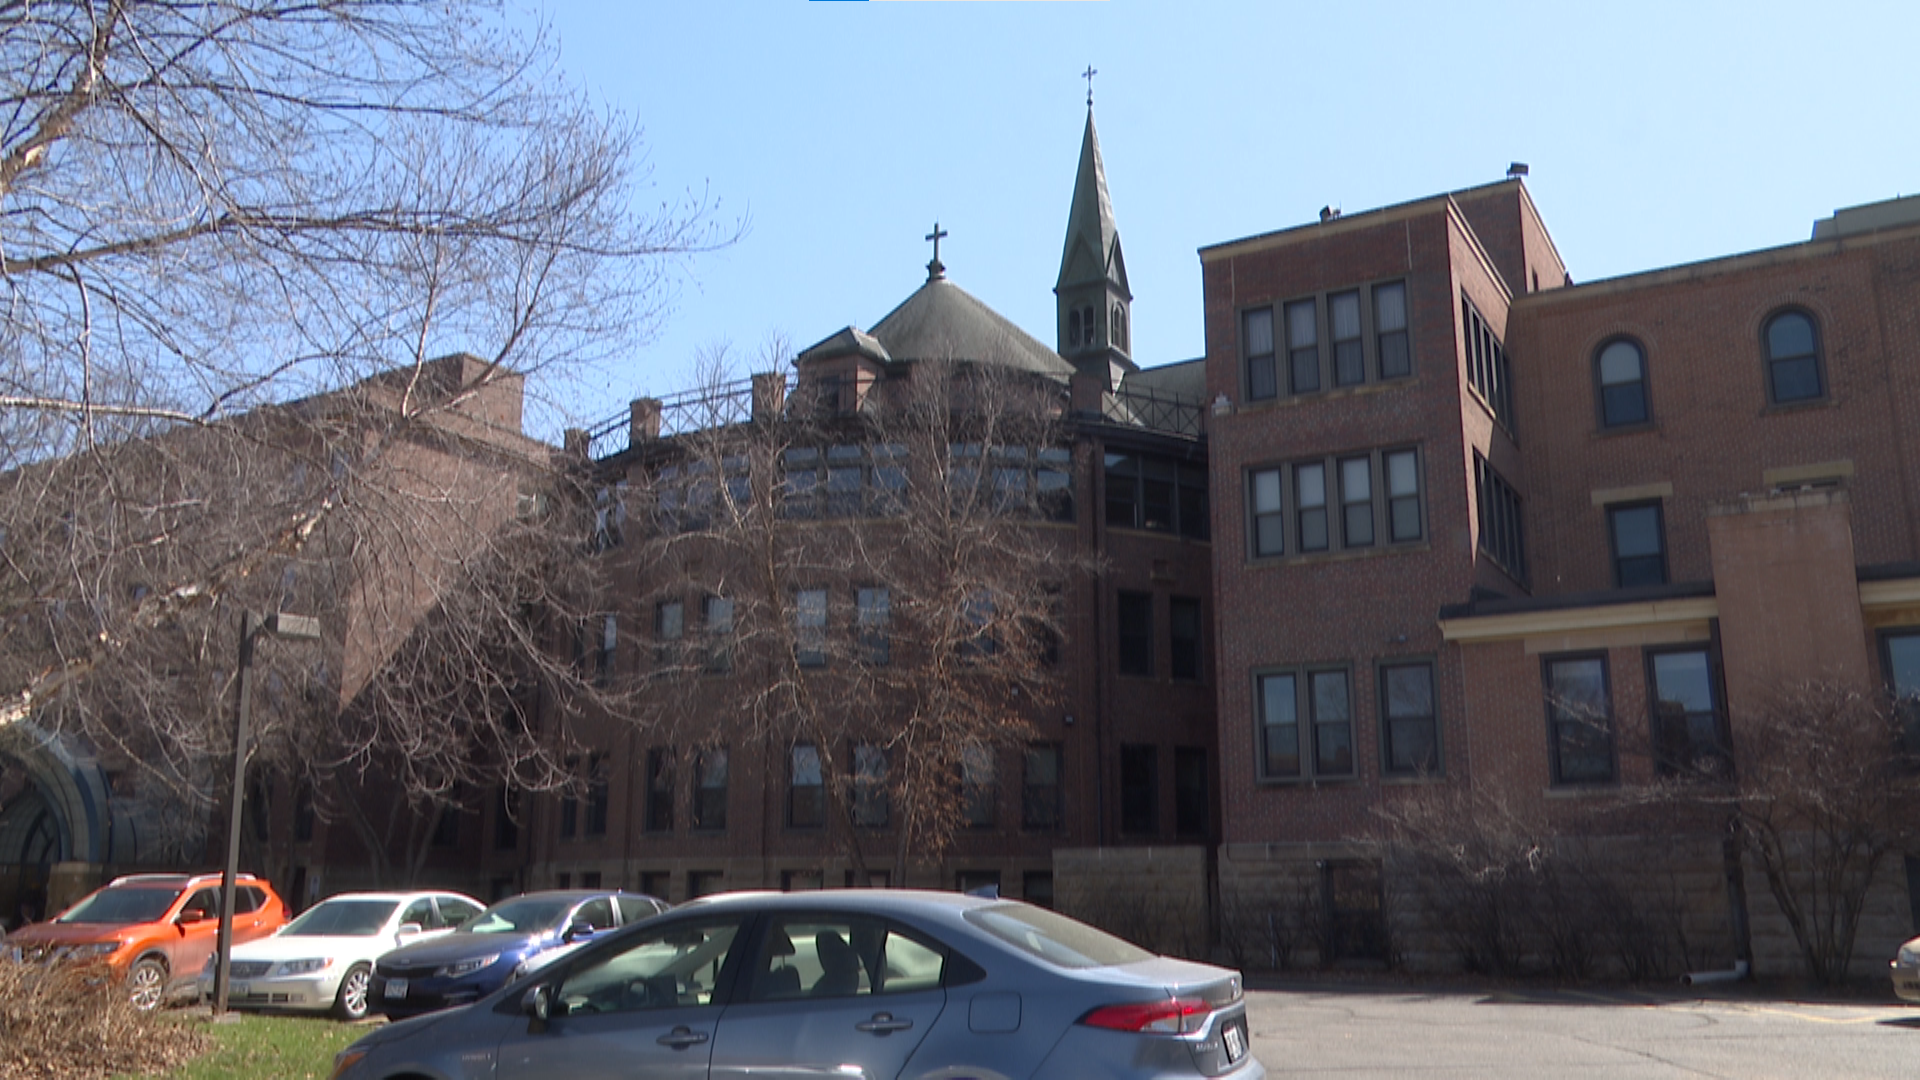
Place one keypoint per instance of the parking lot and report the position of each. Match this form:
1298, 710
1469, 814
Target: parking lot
1356, 1033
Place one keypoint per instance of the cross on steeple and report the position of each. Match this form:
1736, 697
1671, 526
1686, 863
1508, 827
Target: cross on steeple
1088, 75
936, 269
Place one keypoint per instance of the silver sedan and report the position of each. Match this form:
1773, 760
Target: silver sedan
855, 983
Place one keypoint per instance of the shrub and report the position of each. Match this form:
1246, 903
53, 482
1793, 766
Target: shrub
65, 1021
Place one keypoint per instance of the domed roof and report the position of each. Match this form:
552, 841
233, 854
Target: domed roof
942, 321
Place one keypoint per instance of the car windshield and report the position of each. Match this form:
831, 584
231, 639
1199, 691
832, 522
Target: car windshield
122, 906
523, 916
1058, 940
342, 918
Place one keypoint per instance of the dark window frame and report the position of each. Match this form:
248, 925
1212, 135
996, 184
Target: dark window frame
1560, 723
660, 790
1139, 803
1186, 660
1307, 725
1906, 705
1657, 725
1133, 632
1816, 358
1489, 369
806, 803
1043, 805
708, 812
810, 636
1502, 514
869, 806
1617, 562
1436, 764
1192, 806
1602, 402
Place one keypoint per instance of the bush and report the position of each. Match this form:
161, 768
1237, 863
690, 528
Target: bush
66, 1021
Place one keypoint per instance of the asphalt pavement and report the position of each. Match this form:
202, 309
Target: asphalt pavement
1359, 1032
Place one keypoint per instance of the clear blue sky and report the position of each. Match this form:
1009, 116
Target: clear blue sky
1657, 133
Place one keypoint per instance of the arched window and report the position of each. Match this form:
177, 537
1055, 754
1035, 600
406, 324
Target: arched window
1621, 370
1792, 342
1073, 328
1089, 319
1119, 327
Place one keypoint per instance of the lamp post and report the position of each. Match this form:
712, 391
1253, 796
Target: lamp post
280, 625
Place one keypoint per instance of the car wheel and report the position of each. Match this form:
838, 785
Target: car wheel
147, 983
351, 1002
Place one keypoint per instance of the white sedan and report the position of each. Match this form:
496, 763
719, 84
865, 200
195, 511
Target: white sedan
1906, 972
323, 959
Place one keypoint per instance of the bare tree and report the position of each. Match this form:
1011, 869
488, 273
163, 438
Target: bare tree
880, 581
234, 237
1824, 789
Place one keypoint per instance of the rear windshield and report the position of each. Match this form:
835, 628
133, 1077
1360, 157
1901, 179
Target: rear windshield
1058, 940
523, 916
122, 905
342, 918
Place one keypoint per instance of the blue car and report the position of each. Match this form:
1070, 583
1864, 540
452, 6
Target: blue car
483, 954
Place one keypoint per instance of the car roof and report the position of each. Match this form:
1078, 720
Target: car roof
924, 902
173, 881
388, 895
569, 894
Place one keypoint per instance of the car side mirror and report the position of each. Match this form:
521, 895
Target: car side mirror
537, 1003
578, 930
193, 915
408, 929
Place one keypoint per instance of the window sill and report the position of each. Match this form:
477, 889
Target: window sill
1589, 790
1405, 547
1775, 408
1406, 780
1620, 430
1281, 401
1281, 782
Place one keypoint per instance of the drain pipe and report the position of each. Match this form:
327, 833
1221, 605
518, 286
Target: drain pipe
1705, 978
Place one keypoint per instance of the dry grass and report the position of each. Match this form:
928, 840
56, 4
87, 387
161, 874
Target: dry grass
62, 1021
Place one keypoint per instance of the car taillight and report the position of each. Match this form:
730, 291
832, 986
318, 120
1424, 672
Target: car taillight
1172, 1016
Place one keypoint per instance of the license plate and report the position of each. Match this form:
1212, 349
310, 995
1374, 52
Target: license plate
396, 989
1235, 1037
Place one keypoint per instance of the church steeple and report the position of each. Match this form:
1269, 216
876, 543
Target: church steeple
1094, 304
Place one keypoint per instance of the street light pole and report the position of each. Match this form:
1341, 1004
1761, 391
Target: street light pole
292, 627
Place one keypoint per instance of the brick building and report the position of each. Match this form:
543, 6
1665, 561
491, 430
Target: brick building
1464, 507
1124, 759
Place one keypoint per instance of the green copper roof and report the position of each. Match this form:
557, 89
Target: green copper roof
1092, 251
942, 321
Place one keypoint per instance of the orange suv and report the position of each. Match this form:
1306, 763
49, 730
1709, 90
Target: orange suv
153, 930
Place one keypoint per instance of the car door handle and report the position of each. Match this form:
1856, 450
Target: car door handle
882, 1024
681, 1037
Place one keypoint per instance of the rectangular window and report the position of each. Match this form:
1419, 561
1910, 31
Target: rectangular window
1136, 633
810, 627
1123, 491
870, 807
1409, 721
1310, 505
1330, 698
659, 789
598, 795
978, 792
1196, 519
603, 659
1900, 659
1053, 483
1579, 719
1191, 813
1139, 789
801, 481
806, 789
1403, 495
710, 789
1158, 479
669, 627
1257, 341
872, 614
1183, 632
1349, 355
1036, 888
1041, 787
1390, 330
1278, 698
506, 819
887, 495
1487, 368
846, 481
570, 808
1356, 502
1266, 513
1638, 536
1501, 537
1317, 703
1303, 348
1687, 735
719, 626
